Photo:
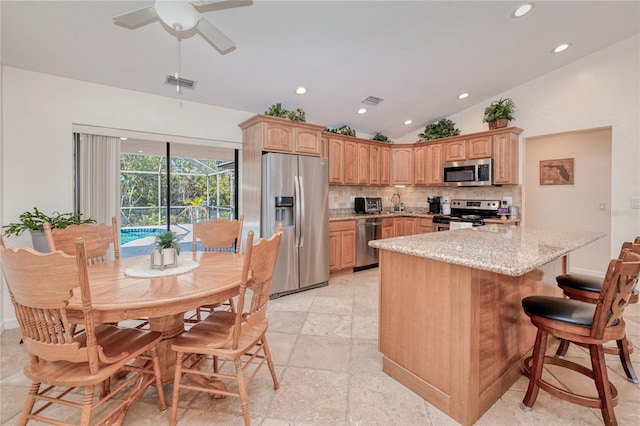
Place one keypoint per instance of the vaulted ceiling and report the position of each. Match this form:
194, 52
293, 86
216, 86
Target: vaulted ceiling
416, 55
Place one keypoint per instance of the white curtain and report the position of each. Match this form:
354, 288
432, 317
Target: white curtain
99, 177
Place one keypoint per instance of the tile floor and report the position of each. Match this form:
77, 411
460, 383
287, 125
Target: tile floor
324, 342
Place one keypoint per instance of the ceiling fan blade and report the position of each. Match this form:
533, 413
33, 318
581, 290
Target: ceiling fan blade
215, 36
136, 18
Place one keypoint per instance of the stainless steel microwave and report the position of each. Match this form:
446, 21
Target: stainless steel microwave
468, 173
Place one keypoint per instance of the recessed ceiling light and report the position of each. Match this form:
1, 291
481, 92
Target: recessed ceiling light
362, 110
140, 151
408, 122
123, 139
522, 10
463, 95
301, 90
561, 48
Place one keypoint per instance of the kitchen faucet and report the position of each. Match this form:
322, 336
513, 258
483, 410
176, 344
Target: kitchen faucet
396, 206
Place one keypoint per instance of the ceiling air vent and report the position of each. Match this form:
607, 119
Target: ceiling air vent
182, 82
372, 100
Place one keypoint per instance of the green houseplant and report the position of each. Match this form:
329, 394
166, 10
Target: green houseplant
167, 250
499, 113
276, 110
33, 221
377, 136
443, 128
342, 130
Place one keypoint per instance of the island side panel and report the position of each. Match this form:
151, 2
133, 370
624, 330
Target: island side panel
456, 335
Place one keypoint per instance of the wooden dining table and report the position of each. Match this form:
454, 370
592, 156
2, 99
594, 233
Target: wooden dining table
162, 300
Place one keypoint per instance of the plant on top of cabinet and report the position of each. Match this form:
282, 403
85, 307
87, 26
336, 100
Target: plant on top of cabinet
276, 110
499, 113
443, 128
377, 136
342, 130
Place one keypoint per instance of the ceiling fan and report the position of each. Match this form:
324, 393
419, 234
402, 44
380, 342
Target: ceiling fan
181, 15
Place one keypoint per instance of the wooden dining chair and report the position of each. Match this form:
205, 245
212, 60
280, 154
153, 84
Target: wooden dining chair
98, 241
239, 336
97, 238
40, 286
218, 235
587, 289
583, 323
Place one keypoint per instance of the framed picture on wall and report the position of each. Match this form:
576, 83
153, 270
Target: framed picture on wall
556, 172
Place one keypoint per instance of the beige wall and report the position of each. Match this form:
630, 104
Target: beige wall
589, 195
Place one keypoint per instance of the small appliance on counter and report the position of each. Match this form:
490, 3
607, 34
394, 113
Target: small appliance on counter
434, 205
368, 205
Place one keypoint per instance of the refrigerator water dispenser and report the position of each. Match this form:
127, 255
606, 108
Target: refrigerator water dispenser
284, 210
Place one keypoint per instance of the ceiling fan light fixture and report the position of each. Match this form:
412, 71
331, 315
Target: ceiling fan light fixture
177, 14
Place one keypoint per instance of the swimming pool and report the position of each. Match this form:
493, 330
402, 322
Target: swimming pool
129, 234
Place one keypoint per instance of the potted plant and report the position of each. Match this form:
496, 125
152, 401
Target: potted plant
276, 110
443, 128
167, 250
499, 113
342, 130
33, 221
377, 136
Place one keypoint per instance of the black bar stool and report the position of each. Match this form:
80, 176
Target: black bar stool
587, 289
583, 323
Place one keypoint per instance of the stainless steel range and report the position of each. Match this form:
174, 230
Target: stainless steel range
472, 212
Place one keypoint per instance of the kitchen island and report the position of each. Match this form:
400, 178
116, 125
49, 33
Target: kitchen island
451, 326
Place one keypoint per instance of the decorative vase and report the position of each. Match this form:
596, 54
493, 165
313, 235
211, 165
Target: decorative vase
498, 123
167, 258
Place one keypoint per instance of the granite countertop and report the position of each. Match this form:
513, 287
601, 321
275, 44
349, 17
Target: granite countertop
508, 250
353, 216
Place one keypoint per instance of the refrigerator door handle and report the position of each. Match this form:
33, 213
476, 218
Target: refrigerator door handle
301, 210
297, 229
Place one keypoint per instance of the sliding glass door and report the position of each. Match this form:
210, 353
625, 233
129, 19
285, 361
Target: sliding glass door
197, 182
165, 187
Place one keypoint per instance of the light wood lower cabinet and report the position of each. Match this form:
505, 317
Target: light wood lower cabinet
425, 224
404, 226
387, 227
342, 245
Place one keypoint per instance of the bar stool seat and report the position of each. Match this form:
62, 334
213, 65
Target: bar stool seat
583, 323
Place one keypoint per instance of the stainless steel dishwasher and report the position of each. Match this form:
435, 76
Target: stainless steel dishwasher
367, 230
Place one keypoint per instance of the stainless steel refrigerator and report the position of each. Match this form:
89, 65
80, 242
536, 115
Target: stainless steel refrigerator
295, 191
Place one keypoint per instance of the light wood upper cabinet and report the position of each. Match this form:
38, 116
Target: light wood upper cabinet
505, 158
455, 150
402, 165
434, 160
279, 137
363, 163
276, 134
480, 147
420, 165
350, 162
379, 165
335, 148
374, 164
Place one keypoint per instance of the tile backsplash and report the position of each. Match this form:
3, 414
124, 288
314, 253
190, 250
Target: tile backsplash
415, 198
